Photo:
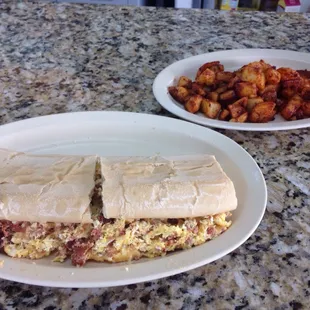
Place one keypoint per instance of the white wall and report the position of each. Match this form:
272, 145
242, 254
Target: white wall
305, 5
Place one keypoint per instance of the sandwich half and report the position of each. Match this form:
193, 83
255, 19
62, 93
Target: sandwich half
156, 205
41, 197
110, 209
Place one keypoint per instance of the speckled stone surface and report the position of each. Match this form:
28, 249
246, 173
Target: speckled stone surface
62, 58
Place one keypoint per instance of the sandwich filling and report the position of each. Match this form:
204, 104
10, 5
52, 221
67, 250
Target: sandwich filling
114, 240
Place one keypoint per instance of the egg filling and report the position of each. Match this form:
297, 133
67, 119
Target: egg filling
105, 240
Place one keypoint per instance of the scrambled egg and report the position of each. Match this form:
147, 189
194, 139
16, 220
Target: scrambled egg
119, 240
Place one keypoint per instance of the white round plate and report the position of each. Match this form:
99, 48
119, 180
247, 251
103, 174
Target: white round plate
232, 60
118, 133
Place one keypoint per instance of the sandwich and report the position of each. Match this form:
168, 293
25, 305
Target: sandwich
110, 209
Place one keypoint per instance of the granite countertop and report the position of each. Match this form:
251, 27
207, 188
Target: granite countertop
60, 58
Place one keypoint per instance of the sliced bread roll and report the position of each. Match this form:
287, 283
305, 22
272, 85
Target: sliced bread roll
165, 187
46, 188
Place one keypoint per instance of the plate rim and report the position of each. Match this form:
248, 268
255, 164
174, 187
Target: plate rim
43, 120
175, 108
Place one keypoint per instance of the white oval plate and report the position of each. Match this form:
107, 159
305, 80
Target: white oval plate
232, 60
117, 133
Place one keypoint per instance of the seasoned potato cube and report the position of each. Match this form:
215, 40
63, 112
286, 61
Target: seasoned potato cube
305, 93
233, 81
280, 103
288, 74
198, 89
306, 108
180, 94
224, 76
261, 64
246, 89
295, 84
264, 65
184, 81
252, 102
299, 113
215, 66
289, 110
210, 108
213, 96
227, 96
224, 115
233, 120
288, 92
269, 93
243, 102
269, 96
193, 103
207, 77
242, 118
273, 77
221, 89
270, 88
253, 73
262, 112
238, 108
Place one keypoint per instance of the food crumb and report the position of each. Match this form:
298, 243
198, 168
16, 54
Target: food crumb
72, 273
126, 268
1, 263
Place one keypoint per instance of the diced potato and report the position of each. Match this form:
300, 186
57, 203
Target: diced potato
224, 115
180, 94
207, 77
227, 96
233, 120
210, 108
269, 88
242, 118
260, 64
233, 81
288, 92
184, 81
290, 109
305, 93
246, 89
221, 89
262, 112
252, 102
295, 84
264, 65
224, 76
288, 74
192, 105
269, 96
273, 77
213, 96
253, 73
238, 108
280, 102
215, 66
243, 102
306, 108
299, 113
269, 93
199, 89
